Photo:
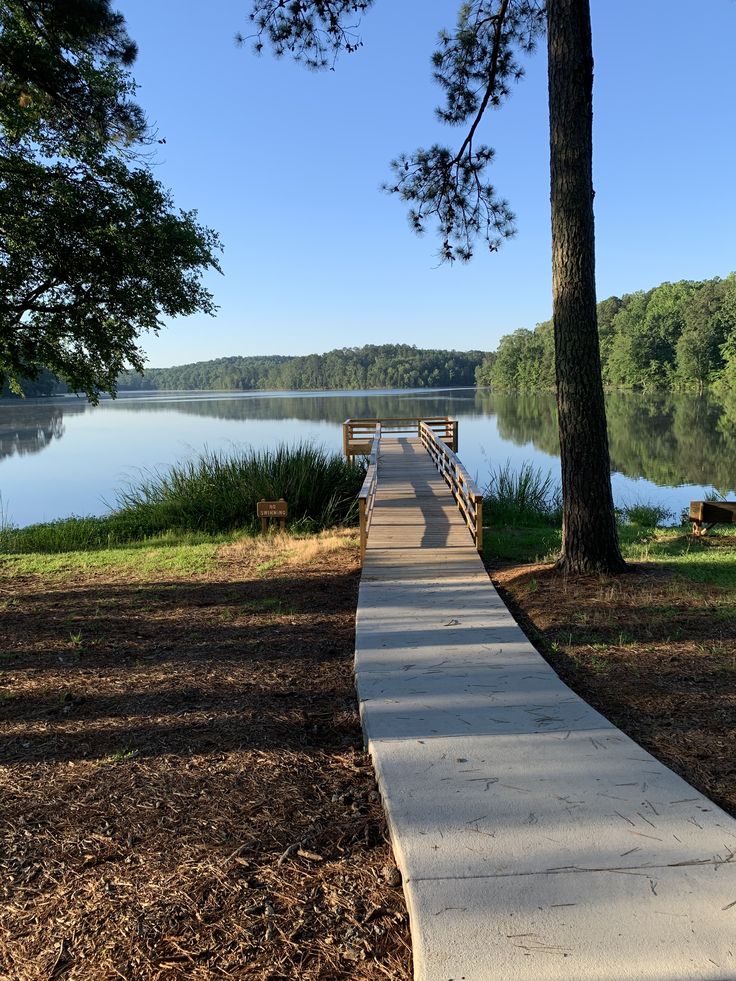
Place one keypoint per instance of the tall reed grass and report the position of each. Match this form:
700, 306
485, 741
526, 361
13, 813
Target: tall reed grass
213, 494
527, 496
218, 492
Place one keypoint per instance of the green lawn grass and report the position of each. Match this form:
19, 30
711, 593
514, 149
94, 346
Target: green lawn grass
176, 554
711, 559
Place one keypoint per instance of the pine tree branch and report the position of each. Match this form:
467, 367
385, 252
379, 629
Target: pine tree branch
492, 77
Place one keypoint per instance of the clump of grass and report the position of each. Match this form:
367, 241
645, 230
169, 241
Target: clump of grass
527, 496
214, 494
217, 492
646, 514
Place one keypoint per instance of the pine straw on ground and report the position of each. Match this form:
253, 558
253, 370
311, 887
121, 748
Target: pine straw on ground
652, 651
183, 788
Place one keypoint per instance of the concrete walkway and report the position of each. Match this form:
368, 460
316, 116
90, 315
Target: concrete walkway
535, 839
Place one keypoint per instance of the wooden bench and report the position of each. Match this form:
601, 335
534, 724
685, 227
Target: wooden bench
705, 514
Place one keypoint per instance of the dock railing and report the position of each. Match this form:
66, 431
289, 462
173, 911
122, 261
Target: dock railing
357, 434
367, 493
462, 486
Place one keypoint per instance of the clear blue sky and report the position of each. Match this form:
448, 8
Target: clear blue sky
286, 164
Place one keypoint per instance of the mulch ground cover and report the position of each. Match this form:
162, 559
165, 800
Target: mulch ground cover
183, 789
651, 650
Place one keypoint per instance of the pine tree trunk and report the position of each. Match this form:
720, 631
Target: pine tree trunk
589, 538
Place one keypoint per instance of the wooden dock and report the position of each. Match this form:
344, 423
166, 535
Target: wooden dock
425, 498
413, 507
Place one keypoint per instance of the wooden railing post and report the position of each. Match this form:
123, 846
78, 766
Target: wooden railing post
363, 529
367, 493
455, 443
479, 524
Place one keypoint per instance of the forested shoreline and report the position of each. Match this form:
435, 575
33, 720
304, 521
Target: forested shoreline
371, 366
44, 385
678, 336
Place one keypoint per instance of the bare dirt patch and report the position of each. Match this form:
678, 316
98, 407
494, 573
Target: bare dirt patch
655, 653
183, 788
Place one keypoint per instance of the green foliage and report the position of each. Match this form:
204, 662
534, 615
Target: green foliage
726, 378
710, 560
218, 492
678, 335
525, 361
212, 494
526, 496
65, 82
646, 514
371, 366
484, 371
93, 252
45, 383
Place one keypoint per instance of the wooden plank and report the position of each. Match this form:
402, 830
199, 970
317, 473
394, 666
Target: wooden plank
713, 512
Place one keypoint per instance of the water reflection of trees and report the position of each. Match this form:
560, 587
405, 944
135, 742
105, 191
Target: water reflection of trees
30, 428
668, 439
319, 408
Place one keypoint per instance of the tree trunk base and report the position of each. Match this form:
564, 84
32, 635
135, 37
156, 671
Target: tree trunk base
581, 566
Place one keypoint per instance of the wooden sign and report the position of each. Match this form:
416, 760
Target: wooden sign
272, 509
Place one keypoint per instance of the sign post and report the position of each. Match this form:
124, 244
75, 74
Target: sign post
267, 510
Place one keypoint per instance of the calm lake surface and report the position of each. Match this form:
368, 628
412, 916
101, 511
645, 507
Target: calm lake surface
62, 456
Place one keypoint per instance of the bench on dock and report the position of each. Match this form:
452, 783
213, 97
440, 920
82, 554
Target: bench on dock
705, 514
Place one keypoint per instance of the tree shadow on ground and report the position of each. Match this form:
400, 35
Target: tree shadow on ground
113, 669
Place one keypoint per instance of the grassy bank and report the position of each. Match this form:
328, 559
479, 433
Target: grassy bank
710, 559
214, 494
523, 511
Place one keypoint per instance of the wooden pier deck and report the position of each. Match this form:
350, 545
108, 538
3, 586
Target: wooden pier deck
413, 507
536, 841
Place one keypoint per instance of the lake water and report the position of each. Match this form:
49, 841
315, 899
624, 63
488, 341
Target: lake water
60, 457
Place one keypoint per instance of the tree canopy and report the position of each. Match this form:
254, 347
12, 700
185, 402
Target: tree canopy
475, 65
676, 336
92, 251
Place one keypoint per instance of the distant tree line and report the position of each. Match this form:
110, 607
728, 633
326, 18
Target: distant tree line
46, 383
677, 336
372, 366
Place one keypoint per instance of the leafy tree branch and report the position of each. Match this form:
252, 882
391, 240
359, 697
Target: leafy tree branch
93, 252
